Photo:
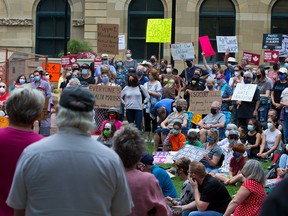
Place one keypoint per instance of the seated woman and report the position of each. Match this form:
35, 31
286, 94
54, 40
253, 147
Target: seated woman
281, 169
211, 159
193, 139
271, 141
107, 134
165, 127
253, 138
114, 117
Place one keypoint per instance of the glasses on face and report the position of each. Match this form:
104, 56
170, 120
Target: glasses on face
247, 77
106, 129
233, 137
2, 86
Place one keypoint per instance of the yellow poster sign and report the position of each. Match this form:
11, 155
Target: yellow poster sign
158, 31
4, 122
196, 118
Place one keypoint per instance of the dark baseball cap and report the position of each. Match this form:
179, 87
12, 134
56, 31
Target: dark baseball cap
147, 159
77, 98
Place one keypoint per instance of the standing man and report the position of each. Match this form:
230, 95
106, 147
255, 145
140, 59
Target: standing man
68, 173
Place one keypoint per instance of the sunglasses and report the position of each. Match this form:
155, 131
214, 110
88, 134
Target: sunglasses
106, 129
233, 137
2, 86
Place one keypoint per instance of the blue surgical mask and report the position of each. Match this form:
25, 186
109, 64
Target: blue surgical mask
250, 127
246, 81
209, 139
119, 64
139, 73
282, 77
105, 79
175, 132
21, 81
236, 155
128, 55
37, 78
84, 71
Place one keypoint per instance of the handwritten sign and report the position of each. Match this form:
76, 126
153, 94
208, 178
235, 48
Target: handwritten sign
44, 113
4, 122
225, 43
200, 101
106, 96
107, 38
158, 31
192, 152
271, 56
122, 44
244, 92
182, 51
160, 157
68, 60
206, 46
270, 41
54, 69
253, 58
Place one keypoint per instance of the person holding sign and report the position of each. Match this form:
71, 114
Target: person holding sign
130, 64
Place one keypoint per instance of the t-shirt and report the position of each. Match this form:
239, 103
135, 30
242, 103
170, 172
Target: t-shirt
177, 142
190, 72
167, 103
197, 143
130, 64
246, 109
133, 97
277, 89
214, 151
172, 118
237, 165
264, 86
226, 92
187, 193
89, 80
13, 142
215, 193
168, 83
214, 119
271, 138
252, 204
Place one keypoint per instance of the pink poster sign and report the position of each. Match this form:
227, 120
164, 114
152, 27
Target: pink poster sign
206, 46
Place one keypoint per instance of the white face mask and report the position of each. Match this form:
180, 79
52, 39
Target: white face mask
226, 133
174, 109
2, 90
169, 70
237, 73
270, 125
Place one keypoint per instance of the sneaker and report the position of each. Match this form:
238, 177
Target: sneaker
146, 140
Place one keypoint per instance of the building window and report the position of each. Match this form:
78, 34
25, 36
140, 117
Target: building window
139, 12
279, 17
50, 19
217, 18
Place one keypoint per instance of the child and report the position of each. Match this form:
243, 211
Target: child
193, 139
176, 138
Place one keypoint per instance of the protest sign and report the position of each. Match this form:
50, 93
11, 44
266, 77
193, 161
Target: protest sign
160, 157
68, 60
107, 38
196, 118
200, 101
44, 113
192, 152
283, 50
106, 96
158, 31
97, 63
4, 122
206, 46
121, 39
54, 70
225, 43
244, 92
253, 58
270, 41
182, 51
271, 56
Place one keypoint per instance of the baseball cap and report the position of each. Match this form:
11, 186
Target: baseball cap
147, 159
233, 132
283, 70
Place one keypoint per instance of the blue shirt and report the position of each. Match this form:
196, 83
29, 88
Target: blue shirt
167, 103
143, 80
98, 71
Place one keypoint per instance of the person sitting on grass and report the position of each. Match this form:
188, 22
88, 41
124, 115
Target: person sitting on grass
107, 133
237, 162
176, 139
193, 139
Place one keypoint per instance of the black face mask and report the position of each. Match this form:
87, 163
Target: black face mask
152, 60
189, 64
210, 87
179, 108
258, 76
213, 111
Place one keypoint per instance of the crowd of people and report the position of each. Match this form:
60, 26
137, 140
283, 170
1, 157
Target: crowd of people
70, 173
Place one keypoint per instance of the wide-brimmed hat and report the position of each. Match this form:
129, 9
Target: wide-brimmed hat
114, 109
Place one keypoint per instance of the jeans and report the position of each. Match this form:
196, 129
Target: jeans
205, 213
283, 161
285, 127
135, 116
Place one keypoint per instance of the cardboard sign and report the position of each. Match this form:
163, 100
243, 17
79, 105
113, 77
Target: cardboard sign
68, 60
182, 51
122, 44
54, 69
158, 31
271, 56
270, 41
200, 101
107, 38
206, 46
192, 152
97, 63
253, 58
44, 113
4, 122
244, 92
106, 96
225, 43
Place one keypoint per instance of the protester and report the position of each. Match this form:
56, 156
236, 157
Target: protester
23, 106
86, 75
140, 72
284, 104
251, 194
210, 84
169, 81
113, 118
121, 73
21, 79
163, 108
176, 138
105, 63
226, 92
153, 60
253, 138
238, 78
193, 139
107, 133
130, 63
68, 173
129, 145
281, 169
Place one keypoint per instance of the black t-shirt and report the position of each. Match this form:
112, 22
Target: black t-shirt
90, 80
246, 109
215, 193
277, 89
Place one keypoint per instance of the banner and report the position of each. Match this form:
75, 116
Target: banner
54, 70
200, 101
225, 43
206, 46
271, 56
270, 41
106, 96
107, 38
182, 51
253, 58
158, 31
192, 152
68, 60
244, 92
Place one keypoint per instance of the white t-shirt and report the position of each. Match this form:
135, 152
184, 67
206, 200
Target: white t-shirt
271, 138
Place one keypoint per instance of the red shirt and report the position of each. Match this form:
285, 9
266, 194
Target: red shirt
252, 204
237, 165
13, 142
4, 97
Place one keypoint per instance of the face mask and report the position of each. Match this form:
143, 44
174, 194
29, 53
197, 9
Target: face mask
250, 127
270, 125
219, 81
73, 76
151, 77
189, 64
179, 108
175, 132
119, 64
193, 82
210, 87
128, 55
226, 133
162, 65
236, 155
31, 79
105, 62
213, 111
232, 141
282, 77
258, 76
139, 73
112, 116
2, 90
21, 81
152, 60
237, 73
107, 133
246, 81
169, 70
209, 139
37, 78
174, 109
84, 71
105, 79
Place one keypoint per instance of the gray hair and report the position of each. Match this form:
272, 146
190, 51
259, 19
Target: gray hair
253, 170
215, 132
24, 105
70, 118
210, 79
232, 126
74, 82
216, 104
129, 144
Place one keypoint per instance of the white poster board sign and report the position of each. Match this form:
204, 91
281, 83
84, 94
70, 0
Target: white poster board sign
121, 43
182, 51
192, 152
225, 43
244, 92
